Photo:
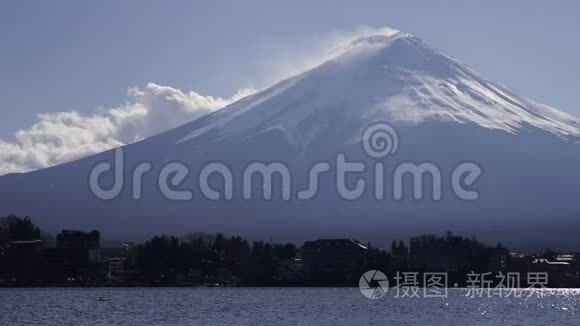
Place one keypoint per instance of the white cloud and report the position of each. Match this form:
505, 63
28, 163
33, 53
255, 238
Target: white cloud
65, 136
287, 60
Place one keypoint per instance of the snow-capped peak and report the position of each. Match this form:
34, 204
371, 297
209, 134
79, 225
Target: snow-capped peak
396, 78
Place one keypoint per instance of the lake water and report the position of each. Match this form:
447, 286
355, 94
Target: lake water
275, 306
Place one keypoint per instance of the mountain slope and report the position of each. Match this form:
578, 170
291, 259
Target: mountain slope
443, 112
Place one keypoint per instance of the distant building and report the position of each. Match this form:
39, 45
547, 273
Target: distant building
487, 259
568, 258
455, 254
78, 239
89, 241
114, 249
334, 260
115, 255
432, 253
23, 259
544, 265
116, 266
75, 255
571, 260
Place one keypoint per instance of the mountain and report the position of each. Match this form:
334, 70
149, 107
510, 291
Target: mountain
441, 112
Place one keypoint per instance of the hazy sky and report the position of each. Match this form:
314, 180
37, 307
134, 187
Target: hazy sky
84, 56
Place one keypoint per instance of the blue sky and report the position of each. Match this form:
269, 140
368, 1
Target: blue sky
84, 56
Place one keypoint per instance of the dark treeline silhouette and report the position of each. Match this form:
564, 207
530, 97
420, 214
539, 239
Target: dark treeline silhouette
29, 257
14, 228
166, 258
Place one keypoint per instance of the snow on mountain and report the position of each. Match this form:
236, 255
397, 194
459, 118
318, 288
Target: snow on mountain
395, 78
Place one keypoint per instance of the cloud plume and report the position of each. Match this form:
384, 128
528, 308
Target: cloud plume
287, 60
